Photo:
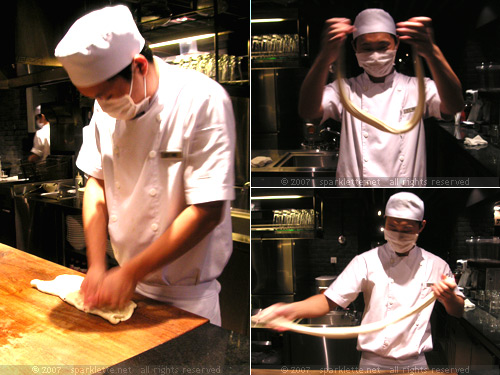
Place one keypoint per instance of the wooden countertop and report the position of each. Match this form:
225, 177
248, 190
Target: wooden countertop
41, 329
345, 372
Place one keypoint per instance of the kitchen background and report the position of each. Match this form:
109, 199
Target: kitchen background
40, 207
465, 31
292, 262
453, 216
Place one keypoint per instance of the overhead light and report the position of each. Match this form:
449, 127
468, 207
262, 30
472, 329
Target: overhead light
183, 40
279, 197
379, 213
264, 20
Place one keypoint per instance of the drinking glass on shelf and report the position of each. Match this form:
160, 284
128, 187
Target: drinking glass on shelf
256, 43
312, 216
277, 217
286, 219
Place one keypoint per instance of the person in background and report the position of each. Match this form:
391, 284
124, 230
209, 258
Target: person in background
393, 278
159, 153
41, 141
366, 152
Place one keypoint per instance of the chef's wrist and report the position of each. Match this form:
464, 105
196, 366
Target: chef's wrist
324, 60
97, 267
133, 271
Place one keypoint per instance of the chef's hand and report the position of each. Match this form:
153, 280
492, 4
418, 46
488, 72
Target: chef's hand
334, 34
278, 310
445, 289
91, 284
114, 291
418, 32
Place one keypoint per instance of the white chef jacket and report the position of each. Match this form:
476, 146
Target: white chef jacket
41, 142
366, 152
179, 153
391, 285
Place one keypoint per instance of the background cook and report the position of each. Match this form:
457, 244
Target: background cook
393, 278
159, 152
365, 151
41, 141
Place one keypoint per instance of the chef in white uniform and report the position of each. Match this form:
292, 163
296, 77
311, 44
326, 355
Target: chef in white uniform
393, 278
159, 152
41, 141
366, 152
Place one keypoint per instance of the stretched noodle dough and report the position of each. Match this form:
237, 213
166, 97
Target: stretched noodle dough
372, 120
343, 332
67, 287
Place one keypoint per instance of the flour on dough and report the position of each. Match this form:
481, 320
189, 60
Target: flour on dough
67, 287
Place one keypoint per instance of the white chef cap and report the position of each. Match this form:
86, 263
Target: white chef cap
405, 206
99, 45
374, 21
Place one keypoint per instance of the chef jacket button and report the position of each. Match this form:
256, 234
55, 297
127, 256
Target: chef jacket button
152, 154
117, 184
113, 218
402, 158
154, 227
158, 117
152, 192
365, 134
365, 160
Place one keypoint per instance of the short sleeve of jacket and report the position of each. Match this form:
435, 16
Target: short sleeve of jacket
332, 107
209, 171
89, 158
37, 145
346, 288
432, 100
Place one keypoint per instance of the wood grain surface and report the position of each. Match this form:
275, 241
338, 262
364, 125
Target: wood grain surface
41, 329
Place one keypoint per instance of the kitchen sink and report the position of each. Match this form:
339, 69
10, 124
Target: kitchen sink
58, 195
322, 160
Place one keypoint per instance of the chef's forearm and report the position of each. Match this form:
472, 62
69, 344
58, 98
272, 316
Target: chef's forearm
312, 307
187, 230
95, 222
454, 306
447, 83
311, 91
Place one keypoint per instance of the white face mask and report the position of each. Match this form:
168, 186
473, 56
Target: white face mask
377, 64
400, 242
124, 108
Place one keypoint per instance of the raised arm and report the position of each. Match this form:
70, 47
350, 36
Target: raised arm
417, 31
311, 93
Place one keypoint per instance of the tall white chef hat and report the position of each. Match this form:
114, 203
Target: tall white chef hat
405, 206
99, 45
374, 20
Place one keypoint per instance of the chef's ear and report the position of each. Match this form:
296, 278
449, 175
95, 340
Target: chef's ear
422, 226
141, 64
